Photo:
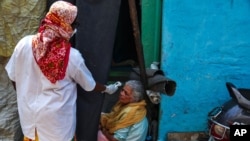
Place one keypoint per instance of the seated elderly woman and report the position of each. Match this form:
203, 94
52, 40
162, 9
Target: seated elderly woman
127, 119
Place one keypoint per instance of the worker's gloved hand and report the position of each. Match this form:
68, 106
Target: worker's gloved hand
112, 88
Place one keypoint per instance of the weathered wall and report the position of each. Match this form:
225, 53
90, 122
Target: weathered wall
10, 129
205, 43
17, 19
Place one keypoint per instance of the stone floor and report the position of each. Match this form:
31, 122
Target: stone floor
191, 136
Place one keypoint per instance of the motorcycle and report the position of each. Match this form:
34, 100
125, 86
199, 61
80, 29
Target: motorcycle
235, 111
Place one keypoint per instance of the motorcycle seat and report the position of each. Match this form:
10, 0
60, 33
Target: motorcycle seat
241, 95
243, 91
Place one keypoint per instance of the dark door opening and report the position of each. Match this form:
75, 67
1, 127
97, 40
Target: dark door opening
124, 46
124, 59
124, 53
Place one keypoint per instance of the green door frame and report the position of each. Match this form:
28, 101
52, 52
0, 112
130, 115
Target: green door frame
151, 30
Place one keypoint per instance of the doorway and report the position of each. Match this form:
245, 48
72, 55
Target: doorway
124, 52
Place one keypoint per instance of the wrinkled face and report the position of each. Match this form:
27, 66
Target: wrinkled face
126, 95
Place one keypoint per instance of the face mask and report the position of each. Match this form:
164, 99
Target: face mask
74, 32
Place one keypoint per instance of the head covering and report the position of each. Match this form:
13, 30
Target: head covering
51, 44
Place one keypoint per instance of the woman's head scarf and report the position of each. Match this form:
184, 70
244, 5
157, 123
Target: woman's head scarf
51, 46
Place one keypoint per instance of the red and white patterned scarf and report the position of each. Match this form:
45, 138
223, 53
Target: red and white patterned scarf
51, 46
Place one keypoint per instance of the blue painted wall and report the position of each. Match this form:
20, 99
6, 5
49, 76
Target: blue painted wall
205, 43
